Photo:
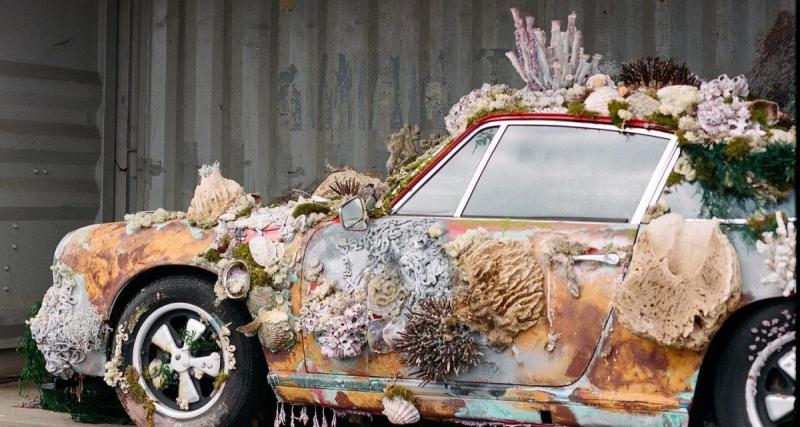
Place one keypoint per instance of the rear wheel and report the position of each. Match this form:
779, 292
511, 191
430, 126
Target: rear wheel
181, 355
755, 376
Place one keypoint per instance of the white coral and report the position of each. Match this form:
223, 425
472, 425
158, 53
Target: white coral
677, 99
779, 249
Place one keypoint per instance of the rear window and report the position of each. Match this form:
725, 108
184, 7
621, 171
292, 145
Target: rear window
552, 172
440, 195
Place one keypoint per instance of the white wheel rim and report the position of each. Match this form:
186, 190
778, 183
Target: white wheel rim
179, 363
777, 405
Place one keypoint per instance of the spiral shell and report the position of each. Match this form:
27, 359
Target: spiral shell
400, 411
598, 100
213, 196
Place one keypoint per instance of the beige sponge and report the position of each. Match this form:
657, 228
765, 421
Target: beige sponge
683, 282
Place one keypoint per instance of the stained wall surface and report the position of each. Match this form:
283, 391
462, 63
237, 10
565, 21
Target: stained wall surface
51, 91
276, 90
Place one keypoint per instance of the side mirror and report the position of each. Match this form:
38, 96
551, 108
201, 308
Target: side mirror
353, 215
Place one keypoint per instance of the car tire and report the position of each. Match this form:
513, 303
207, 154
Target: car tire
162, 307
758, 356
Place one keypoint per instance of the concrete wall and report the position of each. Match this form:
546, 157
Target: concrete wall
275, 90
51, 92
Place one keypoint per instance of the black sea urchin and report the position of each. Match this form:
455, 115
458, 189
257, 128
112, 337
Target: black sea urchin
655, 72
435, 344
346, 187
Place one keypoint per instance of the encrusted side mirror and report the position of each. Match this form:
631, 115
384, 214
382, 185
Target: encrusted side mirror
353, 215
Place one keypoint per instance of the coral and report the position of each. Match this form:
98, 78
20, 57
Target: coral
338, 319
144, 219
677, 100
385, 294
773, 72
481, 101
435, 343
402, 146
559, 65
654, 211
558, 253
779, 249
547, 101
722, 110
500, 293
215, 196
682, 284
324, 189
642, 104
656, 72
67, 327
113, 374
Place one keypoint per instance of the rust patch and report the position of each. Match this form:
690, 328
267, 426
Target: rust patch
343, 401
562, 415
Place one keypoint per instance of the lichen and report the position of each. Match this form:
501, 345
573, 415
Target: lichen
309, 208
395, 391
139, 395
220, 380
136, 221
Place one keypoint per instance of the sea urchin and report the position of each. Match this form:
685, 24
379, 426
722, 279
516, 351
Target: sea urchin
655, 72
435, 343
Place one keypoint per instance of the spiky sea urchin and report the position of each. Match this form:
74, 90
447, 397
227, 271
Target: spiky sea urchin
435, 343
346, 187
656, 72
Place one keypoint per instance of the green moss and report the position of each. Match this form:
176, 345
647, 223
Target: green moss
674, 179
219, 380
138, 394
244, 212
211, 255
665, 120
258, 276
396, 391
614, 106
680, 136
309, 208
759, 116
579, 109
516, 108
737, 148
198, 346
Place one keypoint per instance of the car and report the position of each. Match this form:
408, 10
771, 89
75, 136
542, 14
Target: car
510, 243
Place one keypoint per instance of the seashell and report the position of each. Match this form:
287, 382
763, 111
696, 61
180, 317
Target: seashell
598, 100
260, 297
400, 411
264, 251
213, 196
276, 336
235, 279
771, 108
599, 80
392, 330
375, 336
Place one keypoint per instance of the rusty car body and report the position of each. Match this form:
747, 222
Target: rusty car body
599, 373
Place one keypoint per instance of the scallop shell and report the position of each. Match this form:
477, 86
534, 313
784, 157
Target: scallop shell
276, 336
213, 196
400, 411
598, 100
265, 251
391, 332
260, 297
235, 279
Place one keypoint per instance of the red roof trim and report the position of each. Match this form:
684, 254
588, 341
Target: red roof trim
605, 120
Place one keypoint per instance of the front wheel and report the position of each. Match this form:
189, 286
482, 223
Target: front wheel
180, 362
755, 377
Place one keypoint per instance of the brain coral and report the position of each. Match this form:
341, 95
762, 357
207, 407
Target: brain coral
500, 293
683, 282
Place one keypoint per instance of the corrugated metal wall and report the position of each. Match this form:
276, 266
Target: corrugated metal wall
50, 142
277, 89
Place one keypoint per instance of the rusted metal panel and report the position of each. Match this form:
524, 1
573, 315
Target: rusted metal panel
108, 256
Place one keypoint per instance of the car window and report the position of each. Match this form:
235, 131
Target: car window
439, 196
552, 172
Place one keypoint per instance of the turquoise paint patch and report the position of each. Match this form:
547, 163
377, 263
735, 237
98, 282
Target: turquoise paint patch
587, 415
197, 233
497, 410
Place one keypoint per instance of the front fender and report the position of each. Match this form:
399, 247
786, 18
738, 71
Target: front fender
90, 267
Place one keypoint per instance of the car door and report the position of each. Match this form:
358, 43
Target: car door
573, 193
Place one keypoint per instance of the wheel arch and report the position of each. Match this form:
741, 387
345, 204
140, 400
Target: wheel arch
701, 403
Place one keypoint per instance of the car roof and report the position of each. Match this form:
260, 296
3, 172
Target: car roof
502, 117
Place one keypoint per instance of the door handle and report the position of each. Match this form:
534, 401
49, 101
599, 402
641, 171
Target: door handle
610, 258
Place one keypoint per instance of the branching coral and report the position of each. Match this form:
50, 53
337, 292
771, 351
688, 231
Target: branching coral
500, 293
779, 247
435, 344
215, 196
338, 319
722, 110
559, 65
656, 72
